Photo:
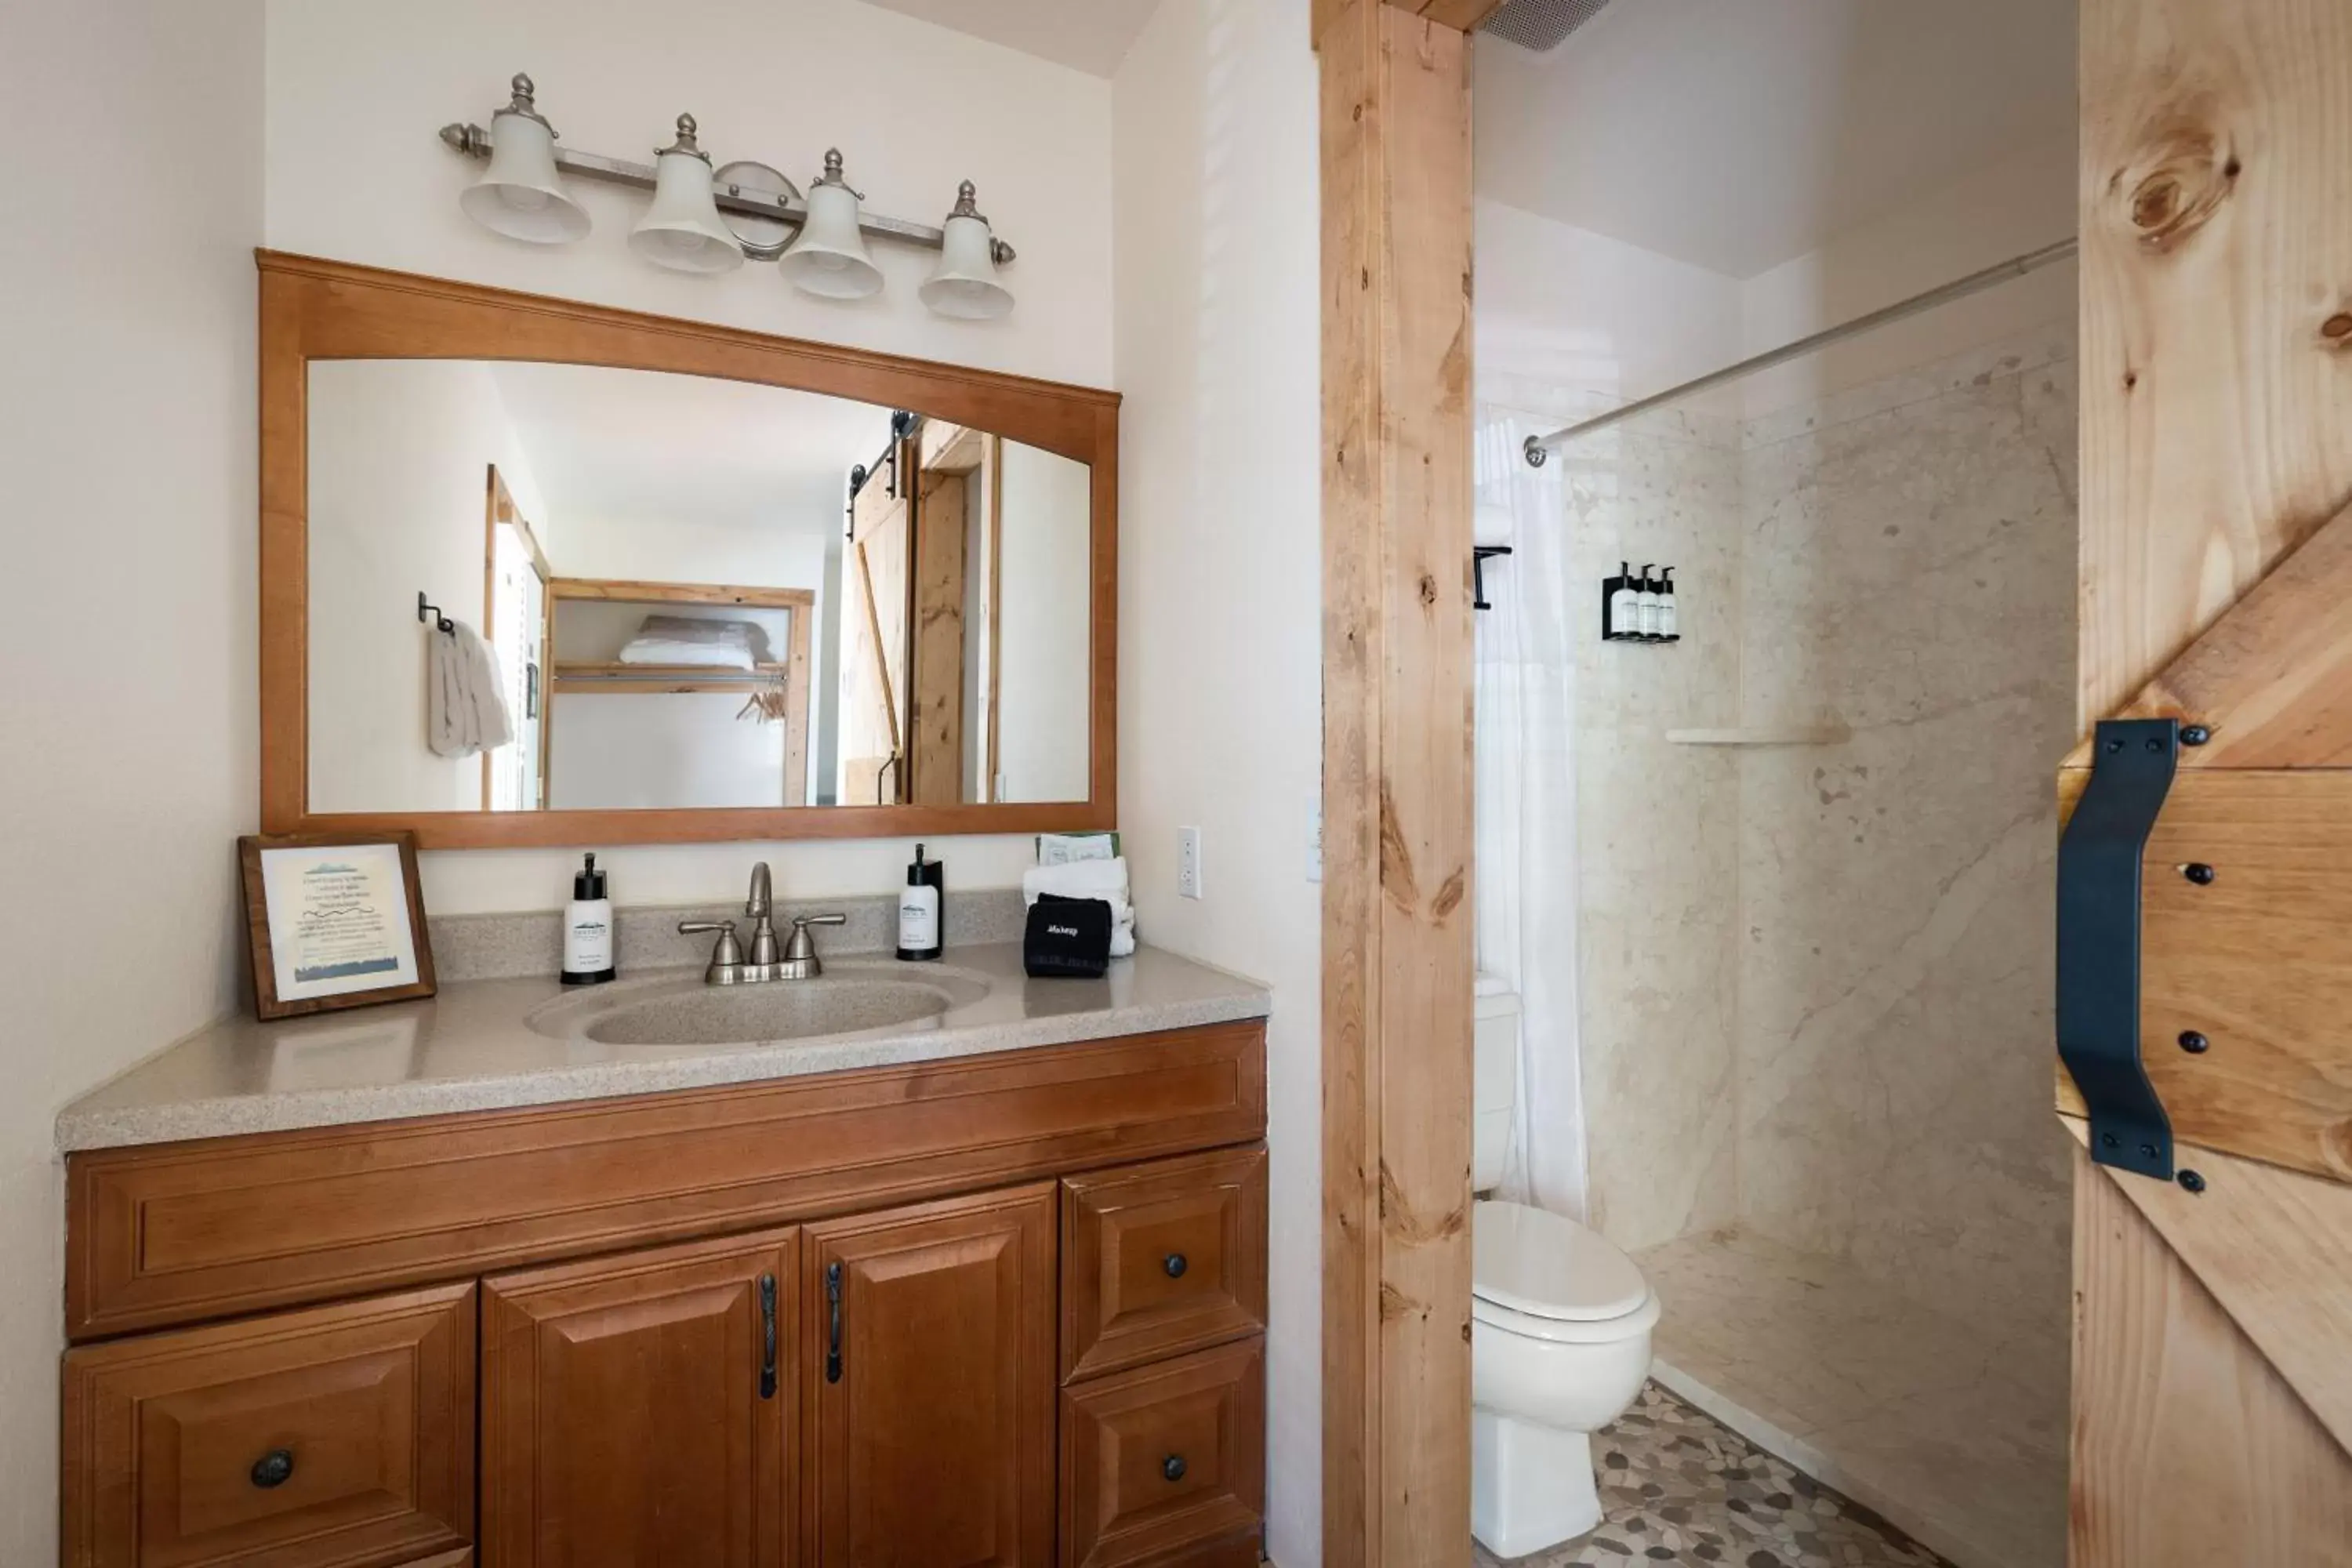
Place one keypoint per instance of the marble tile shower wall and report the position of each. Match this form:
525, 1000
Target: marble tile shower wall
1657, 824
1908, 557
1815, 982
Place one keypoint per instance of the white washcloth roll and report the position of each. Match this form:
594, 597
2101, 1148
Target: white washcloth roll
466, 701
1078, 879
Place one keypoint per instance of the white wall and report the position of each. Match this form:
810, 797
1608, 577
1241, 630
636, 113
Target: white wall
1219, 610
400, 451
1047, 556
2019, 203
356, 91
1578, 312
127, 492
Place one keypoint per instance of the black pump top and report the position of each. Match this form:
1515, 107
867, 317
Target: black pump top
915, 877
588, 884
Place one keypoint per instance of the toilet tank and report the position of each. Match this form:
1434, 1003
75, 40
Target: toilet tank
1496, 1079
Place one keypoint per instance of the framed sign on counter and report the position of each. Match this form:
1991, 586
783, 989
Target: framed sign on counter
336, 920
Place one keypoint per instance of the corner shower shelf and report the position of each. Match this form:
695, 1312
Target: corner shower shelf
1765, 735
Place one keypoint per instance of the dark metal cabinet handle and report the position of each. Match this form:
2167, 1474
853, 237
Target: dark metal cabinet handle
767, 1336
274, 1468
833, 1306
1175, 1265
1172, 1467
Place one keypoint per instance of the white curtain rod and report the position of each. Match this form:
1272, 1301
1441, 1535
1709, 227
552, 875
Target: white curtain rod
1541, 447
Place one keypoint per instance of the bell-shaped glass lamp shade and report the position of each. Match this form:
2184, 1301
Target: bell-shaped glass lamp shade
521, 196
682, 230
829, 257
964, 283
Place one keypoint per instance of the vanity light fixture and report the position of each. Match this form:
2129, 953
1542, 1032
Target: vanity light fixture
829, 259
521, 195
965, 284
683, 230
702, 222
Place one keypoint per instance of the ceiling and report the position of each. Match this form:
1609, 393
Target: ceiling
628, 446
1739, 134
1093, 35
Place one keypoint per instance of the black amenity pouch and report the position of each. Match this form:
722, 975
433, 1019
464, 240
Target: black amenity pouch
1067, 938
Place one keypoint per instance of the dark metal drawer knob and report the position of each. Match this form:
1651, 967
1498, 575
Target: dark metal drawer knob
1172, 1467
274, 1468
1175, 1265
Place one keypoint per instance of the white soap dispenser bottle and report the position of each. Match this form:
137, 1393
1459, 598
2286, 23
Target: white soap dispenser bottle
588, 930
919, 911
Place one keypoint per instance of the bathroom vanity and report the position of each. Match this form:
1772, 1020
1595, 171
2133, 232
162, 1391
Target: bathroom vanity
983, 1286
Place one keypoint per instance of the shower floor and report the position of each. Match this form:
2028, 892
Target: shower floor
1955, 1437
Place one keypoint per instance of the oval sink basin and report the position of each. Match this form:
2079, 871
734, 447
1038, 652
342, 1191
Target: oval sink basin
778, 1010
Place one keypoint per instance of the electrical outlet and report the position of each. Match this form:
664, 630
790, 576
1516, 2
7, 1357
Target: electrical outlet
1188, 862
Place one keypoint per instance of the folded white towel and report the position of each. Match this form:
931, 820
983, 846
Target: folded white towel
1078, 879
466, 702
1103, 879
687, 639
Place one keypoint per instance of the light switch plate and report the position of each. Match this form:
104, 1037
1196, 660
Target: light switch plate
1188, 862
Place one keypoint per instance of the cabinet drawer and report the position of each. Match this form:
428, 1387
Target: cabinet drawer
1162, 1258
1166, 1463
339, 1438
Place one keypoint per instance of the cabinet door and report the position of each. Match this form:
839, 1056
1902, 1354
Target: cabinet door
931, 1374
636, 1409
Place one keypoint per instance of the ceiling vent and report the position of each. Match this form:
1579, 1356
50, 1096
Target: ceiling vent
1541, 25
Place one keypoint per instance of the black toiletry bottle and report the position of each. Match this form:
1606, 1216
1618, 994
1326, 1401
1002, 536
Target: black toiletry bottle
1617, 605
1669, 630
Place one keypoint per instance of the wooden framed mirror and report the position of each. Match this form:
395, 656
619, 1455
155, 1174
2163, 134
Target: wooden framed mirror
536, 573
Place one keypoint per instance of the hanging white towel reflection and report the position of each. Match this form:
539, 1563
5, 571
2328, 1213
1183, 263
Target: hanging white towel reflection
465, 701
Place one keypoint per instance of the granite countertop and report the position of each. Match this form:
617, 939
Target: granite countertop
492, 1044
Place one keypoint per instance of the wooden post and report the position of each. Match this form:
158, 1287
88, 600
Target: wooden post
1397, 790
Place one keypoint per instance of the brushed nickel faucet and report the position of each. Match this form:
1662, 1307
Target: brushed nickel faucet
728, 966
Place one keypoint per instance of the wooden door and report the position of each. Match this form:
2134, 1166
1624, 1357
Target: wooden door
929, 1366
636, 1410
878, 571
935, 736
2212, 1406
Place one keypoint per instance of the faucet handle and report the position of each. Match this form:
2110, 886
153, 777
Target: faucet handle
800, 950
729, 950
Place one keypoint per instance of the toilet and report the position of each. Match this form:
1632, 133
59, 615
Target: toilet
1560, 1331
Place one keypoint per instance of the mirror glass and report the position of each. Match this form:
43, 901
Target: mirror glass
670, 591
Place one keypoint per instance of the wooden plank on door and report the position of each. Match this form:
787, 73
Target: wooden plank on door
2216, 221
935, 705
2190, 1450
2275, 1250
2216, 212
1397, 788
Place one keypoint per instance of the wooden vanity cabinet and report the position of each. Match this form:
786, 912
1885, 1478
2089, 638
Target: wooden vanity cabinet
1001, 1313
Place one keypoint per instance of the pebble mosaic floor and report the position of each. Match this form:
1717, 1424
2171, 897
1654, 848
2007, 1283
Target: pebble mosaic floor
1678, 1488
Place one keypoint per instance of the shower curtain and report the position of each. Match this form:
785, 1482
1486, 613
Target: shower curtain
1526, 723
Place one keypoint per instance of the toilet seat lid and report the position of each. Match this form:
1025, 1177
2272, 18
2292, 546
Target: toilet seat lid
1548, 1266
